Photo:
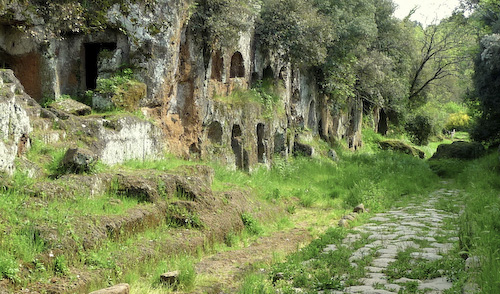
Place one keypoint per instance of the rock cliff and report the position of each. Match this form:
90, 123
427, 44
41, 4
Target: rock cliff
57, 54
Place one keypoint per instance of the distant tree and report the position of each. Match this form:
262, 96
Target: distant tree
440, 54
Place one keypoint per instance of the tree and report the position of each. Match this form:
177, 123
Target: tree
218, 22
487, 82
295, 29
439, 56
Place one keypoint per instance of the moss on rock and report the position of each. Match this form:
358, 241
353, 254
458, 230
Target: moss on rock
459, 150
400, 146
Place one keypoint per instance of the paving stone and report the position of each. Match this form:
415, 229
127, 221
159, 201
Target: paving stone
373, 281
424, 255
439, 284
444, 247
430, 250
414, 224
374, 269
374, 244
330, 248
406, 280
351, 238
389, 255
382, 262
380, 219
378, 291
358, 289
392, 287
383, 236
428, 239
403, 245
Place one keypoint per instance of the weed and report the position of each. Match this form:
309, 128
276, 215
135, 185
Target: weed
256, 284
251, 224
291, 209
187, 274
180, 216
231, 239
60, 265
9, 268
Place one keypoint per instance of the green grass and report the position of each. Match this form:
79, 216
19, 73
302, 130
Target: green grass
313, 270
265, 94
375, 179
480, 221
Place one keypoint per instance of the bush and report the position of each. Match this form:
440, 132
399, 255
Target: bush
420, 129
458, 121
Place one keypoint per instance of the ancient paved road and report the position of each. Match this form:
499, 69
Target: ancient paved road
423, 231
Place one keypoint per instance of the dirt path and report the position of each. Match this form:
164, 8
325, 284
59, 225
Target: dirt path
228, 267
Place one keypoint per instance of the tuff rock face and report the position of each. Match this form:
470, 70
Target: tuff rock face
14, 122
181, 81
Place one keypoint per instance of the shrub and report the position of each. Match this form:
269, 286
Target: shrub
458, 121
420, 129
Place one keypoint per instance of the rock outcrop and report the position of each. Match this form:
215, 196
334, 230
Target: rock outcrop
459, 150
400, 146
179, 83
15, 125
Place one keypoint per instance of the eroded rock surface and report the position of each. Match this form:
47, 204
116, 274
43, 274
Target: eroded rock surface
14, 121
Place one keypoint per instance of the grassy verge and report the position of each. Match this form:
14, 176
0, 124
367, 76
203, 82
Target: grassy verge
480, 220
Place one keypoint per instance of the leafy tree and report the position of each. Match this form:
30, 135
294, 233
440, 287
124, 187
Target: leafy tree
439, 56
420, 129
487, 82
355, 26
218, 22
296, 29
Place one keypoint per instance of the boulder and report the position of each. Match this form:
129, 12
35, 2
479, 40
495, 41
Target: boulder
126, 137
333, 155
400, 146
343, 223
78, 160
137, 187
303, 149
71, 106
459, 150
359, 209
117, 289
170, 278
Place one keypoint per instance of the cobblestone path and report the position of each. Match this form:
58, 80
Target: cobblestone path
420, 233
